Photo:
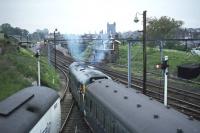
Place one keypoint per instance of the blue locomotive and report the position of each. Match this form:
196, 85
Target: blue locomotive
33, 109
110, 107
81, 75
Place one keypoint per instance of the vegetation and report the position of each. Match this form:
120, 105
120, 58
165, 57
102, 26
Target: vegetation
87, 53
162, 28
9, 30
153, 57
38, 35
18, 69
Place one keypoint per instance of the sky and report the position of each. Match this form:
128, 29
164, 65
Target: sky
90, 16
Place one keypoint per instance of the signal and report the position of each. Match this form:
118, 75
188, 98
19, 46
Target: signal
158, 66
164, 66
37, 54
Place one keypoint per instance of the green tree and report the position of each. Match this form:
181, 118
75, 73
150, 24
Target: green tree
6, 28
162, 28
9, 30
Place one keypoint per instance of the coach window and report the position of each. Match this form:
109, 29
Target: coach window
123, 130
113, 127
92, 80
86, 101
99, 113
73, 78
74, 81
69, 75
78, 85
109, 124
96, 111
90, 105
93, 108
104, 120
117, 127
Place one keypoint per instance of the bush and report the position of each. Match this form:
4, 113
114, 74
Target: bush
19, 69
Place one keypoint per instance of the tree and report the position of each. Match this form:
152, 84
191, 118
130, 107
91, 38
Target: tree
6, 28
39, 35
9, 30
162, 28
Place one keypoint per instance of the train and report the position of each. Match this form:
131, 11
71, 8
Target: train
81, 75
111, 107
34, 109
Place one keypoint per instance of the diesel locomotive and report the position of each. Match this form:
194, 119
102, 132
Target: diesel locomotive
81, 75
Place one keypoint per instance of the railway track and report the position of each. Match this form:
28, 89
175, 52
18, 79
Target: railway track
71, 119
183, 94
158, 74
185, 101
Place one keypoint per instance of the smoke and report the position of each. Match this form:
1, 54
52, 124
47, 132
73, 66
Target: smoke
92, 48
75, 48
101, 49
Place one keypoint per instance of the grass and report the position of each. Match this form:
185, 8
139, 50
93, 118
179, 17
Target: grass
153, 57
18, 69
11, 80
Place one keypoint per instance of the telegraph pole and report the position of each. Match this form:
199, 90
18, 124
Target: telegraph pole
129, 64
49, 54
144, 52
144, 14
54, 39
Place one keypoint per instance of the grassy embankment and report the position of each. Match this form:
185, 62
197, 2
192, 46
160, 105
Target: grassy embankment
153, 57
18, 69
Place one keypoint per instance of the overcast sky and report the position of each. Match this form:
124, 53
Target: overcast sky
89, 16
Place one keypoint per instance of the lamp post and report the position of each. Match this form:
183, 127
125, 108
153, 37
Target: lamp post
49, 53
144, 48
54, 39
129, 64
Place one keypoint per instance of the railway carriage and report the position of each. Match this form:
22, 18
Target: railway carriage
110, 107
33, 109
113, 108
80, 75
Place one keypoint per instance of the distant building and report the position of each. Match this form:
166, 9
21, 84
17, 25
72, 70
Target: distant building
1, 36
111, 28
189, 33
